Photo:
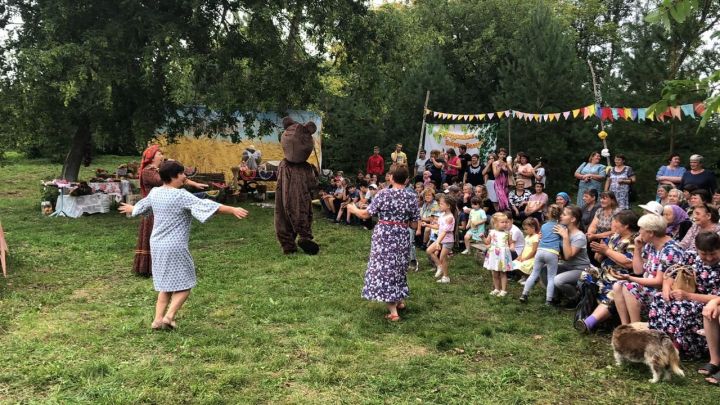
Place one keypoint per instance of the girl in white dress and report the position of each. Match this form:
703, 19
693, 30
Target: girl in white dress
498, 258
173, 269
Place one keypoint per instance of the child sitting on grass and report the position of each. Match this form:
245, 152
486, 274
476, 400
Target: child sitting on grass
173, 208
476, 224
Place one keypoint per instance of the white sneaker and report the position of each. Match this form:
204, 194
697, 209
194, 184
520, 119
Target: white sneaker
464, 252
502, 293
495, 292
444, 280
438, 273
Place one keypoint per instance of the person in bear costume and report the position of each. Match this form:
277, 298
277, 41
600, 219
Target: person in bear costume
296, 180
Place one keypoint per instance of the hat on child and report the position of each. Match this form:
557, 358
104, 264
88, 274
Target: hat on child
653, 207
373, 185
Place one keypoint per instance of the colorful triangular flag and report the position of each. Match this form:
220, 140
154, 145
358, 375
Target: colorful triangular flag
481, 117
641, 114
628, 113
634, 113
490, 116
687, 109
575, 113
566, 114
557, 116
676, 113
500, 114
435, 114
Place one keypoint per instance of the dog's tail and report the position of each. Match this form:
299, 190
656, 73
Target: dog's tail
673, 356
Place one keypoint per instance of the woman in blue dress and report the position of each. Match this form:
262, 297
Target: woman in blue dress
590, 174
173, 269
386, 275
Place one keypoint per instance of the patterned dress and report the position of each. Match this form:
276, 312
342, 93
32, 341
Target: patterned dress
385, 278
682, 319
622, 191
589, 168
498, 257
653, 261
688, 242
142, 264
172, 266
604, 219
602, 277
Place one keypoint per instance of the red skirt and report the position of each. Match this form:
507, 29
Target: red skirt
143, 265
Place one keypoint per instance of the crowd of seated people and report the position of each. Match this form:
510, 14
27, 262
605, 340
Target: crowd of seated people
621, 265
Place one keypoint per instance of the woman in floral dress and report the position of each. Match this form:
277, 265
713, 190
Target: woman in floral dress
614, 257
386, 275
679, 313
620, 178
655, 252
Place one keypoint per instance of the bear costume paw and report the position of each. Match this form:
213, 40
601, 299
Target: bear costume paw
309, 246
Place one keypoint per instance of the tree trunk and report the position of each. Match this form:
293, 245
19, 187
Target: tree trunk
74, 158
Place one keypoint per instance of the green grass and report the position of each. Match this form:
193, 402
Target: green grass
261, 327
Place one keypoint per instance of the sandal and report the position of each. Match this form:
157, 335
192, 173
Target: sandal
715, 377
709, 369
392, 318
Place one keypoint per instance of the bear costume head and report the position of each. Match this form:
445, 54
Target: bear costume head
297, 141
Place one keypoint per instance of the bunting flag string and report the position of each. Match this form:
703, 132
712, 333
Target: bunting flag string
693, 110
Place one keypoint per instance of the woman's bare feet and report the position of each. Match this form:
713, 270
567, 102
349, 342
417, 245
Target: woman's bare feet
169, 323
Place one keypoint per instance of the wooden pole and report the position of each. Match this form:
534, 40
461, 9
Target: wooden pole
509, 136
598, 101
422, 129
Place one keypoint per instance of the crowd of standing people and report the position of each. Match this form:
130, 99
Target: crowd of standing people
661, 265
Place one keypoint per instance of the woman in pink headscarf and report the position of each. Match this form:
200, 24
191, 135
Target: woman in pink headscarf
149, 178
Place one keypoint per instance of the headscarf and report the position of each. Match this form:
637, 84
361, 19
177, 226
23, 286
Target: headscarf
147, 158
564, 196
679, 216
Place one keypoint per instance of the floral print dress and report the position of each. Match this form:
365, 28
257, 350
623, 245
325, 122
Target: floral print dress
602, 277
682, 319
622, 191
498, 256
386, 278
653, 261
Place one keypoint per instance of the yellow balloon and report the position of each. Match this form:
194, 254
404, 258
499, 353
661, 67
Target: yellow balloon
602, 135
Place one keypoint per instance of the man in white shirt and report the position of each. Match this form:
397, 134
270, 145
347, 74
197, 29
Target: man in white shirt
420, 166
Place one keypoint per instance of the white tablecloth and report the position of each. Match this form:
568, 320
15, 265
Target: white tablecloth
74, 207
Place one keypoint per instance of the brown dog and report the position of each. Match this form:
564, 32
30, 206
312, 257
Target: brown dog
639, 344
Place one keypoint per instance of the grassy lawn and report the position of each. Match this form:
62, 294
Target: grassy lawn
266, 328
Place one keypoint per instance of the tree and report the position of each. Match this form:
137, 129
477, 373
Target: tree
112, 73
544, 74
689, 19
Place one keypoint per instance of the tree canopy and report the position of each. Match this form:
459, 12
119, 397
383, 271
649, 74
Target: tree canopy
82, 76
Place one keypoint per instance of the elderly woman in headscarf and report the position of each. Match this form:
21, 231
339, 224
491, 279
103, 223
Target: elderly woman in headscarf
678, 221
150, 178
